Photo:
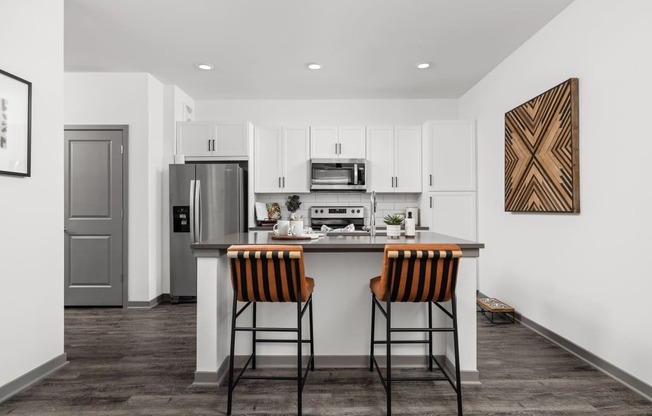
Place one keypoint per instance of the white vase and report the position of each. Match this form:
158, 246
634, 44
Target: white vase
393, 231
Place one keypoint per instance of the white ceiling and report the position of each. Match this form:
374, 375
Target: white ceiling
260, 48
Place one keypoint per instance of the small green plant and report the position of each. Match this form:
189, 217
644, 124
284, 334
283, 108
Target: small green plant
393, 219
293, 204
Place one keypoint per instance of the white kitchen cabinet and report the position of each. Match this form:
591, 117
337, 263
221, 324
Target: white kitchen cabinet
451, 213
449, 156
296, 159
337, 142
268, 149
394, 159
213, 139
281, 159
195, 138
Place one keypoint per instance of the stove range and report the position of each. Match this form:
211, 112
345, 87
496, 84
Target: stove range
337, 217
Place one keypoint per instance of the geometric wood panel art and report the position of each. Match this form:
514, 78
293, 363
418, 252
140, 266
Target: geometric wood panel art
542, 171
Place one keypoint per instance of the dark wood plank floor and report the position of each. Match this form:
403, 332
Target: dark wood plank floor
141, 362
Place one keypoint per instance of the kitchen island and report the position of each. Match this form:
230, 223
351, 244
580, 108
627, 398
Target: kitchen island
341, 267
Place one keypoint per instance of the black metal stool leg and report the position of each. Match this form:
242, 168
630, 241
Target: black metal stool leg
299, 347
373, 326
430, 336
312, 339
389, 356
458, 381
232, 354
253, 337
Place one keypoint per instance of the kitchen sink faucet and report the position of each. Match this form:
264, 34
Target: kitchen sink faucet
372, 218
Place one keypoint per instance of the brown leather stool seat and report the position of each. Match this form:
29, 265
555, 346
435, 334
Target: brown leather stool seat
269, 273
416, 273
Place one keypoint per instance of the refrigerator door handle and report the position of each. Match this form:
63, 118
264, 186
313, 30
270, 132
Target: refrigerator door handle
198, 223
192, 211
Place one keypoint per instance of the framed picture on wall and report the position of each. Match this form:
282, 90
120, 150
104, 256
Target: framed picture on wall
15, 125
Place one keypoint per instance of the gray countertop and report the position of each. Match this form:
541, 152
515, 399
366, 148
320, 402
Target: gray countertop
380, 227
337, 243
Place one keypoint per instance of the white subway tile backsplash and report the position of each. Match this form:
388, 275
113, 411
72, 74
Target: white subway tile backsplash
414, 198
348, 198
385, 205
307, 197
325, 197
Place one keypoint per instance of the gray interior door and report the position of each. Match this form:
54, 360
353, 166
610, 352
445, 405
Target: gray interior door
93, 217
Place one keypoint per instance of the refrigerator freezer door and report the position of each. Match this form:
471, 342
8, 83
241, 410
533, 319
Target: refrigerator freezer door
182, 261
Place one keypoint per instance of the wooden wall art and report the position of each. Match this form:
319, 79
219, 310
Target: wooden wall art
542, 152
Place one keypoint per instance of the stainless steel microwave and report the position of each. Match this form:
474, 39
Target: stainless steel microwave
338, 175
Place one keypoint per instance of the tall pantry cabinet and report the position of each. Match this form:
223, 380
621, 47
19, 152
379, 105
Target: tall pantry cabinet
449, 200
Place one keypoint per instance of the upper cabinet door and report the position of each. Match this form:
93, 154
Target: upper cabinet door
351, 142
296, 159
323, 142
268, 147
407, 159
195, 138
230, 139
452, 156
380, 159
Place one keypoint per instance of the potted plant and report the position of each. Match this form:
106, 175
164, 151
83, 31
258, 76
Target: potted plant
393, 222
293, 204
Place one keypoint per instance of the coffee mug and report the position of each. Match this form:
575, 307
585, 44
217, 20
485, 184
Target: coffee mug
297, 228
282, 227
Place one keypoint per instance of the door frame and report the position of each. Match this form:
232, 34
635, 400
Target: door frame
124, 128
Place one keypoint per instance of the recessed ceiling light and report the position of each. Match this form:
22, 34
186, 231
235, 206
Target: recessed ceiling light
205, 67
423, 65
314, 66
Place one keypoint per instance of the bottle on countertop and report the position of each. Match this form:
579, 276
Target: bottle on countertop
410, 226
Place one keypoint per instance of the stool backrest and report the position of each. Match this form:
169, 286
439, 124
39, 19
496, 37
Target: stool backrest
420, 272
273, 273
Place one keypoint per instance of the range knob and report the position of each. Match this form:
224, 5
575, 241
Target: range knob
352, 211
316, 211
321, 211
358, 211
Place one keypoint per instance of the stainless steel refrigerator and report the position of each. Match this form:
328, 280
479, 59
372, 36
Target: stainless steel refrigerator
207, 200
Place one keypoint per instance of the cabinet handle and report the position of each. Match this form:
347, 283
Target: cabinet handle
279, 182
396, 181
430, 179
213, 144
335, 148
283, 181
340, 146
209, 145
430, 202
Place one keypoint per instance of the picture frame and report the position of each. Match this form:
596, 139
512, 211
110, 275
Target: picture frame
15, 125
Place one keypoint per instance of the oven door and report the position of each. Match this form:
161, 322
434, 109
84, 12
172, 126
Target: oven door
337, 175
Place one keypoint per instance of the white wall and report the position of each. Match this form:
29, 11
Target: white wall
585, 277
342, 112
31, 209
135, 99
174, 101
155, 123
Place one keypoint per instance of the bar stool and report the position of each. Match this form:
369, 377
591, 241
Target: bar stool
416, 273
272, 273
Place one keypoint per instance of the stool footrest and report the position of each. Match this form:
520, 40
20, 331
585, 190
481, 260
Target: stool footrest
251, 329
422, 330
403, 341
